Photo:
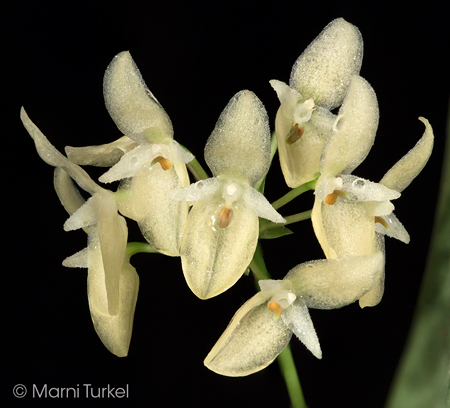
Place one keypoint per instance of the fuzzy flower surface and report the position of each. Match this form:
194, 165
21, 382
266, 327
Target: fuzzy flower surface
147, 159
350, 212
263, 326
112, 282
318, 83
222, 228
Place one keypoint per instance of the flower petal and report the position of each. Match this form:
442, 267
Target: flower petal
409, 166
396, 228
104, 155
297, 318
379, 208
300, 161
252, 340
53, 157
200, 190
324, 69
334, 283
353, 135
114, 330
214, 258
258, 203
112, 238
317, 222
359, 189
179, 153
68, 194
239, 146
343, 229
130, 103
374, 295
129, 164
161, 219
77, 260
85, 216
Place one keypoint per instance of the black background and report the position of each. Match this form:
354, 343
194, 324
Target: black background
194, 57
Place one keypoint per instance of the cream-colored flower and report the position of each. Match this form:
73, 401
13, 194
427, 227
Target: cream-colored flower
340, 219
319, 82
149, 161
112, 282
222, 228
349, 211
263, 326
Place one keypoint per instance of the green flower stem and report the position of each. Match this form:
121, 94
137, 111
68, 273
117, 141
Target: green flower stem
295, 192
195, 167
197, 170
137, 247
285, 359
289, 371
305, 215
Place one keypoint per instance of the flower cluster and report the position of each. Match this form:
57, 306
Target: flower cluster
325, 127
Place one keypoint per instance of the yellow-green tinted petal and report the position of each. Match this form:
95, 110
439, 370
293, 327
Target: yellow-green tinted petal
214, 258
104, 155
114, 330
53, 157
324, 69
373, 297
252, 340
68, 194
343, 229
300, 161
353, 134
130, 103
409, 166
316, 218
160, 218
239, 146
112, 234
334, 283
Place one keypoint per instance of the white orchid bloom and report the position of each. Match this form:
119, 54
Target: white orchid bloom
348, 209
150, 162
319, 82
222, 228
340, 219
257, 335
112, 282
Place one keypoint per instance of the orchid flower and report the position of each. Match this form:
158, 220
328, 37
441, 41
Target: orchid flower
222, 227
147, 159
340, 219
112, 282
346, 207
319, 82
257, 335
